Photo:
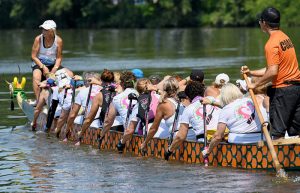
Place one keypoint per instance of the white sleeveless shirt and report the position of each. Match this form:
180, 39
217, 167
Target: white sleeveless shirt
48, 55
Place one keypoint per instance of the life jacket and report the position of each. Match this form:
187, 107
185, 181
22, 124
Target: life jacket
148, 103
108, 93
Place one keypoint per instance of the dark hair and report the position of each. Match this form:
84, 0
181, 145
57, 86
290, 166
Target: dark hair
271, 16
127, 79
193, 89
155, 79
107, 76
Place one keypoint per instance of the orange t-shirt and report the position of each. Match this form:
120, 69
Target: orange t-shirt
279, 50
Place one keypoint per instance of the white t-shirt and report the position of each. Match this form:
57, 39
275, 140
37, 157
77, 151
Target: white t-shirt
81, 98
242, 121
193, 115
240, 116
121, 103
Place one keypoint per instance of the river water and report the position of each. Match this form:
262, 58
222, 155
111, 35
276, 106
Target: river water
34, 163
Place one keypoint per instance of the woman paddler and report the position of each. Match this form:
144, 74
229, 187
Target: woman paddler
80, 107
144, 109
165, 111
239, 116
193, 116
120, 102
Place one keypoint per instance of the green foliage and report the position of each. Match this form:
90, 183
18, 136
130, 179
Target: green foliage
148, 13
57, 7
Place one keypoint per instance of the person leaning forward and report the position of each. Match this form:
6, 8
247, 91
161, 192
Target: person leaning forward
282, 69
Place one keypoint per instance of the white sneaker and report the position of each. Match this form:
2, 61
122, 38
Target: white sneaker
32, 102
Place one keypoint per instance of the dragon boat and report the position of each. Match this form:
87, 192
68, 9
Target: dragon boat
245, 156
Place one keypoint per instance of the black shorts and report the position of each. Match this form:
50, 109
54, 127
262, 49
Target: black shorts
285, 110
49, 67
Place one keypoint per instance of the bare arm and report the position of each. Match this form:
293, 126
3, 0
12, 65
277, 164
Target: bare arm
72, 116
94, 109
109, 119
257, 73
217, 137
154, 127
270, 73
180, 136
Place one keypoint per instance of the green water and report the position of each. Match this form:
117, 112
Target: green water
32, 163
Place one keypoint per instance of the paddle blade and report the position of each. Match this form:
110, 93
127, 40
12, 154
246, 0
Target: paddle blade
12, 105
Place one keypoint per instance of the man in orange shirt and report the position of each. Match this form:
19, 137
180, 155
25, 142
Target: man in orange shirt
282, 69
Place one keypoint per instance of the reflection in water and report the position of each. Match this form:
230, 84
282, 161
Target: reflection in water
143, 48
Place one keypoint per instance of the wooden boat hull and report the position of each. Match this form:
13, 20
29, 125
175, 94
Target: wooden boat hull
225, 155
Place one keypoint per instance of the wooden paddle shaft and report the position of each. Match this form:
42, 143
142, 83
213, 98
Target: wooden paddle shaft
264, 128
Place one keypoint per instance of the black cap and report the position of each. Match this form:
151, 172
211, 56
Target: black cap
270, 15
197, 75
155, 79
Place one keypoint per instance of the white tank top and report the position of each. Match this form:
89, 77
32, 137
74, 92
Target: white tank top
169, 121
48, 55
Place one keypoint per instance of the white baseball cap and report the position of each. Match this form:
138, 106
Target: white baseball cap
242, 84
222, 79
48, 24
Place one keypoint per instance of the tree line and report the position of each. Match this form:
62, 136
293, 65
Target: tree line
142, 14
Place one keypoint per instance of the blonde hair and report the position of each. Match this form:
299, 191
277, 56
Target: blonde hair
141, 85
117, 76
230, 93
170, 89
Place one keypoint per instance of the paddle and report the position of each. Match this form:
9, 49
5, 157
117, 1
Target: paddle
131, 97
65, 95
12, 104
11, 93
73, 93
147, 115
174, 123
279, 170
51, 111
87, 103
205, 134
